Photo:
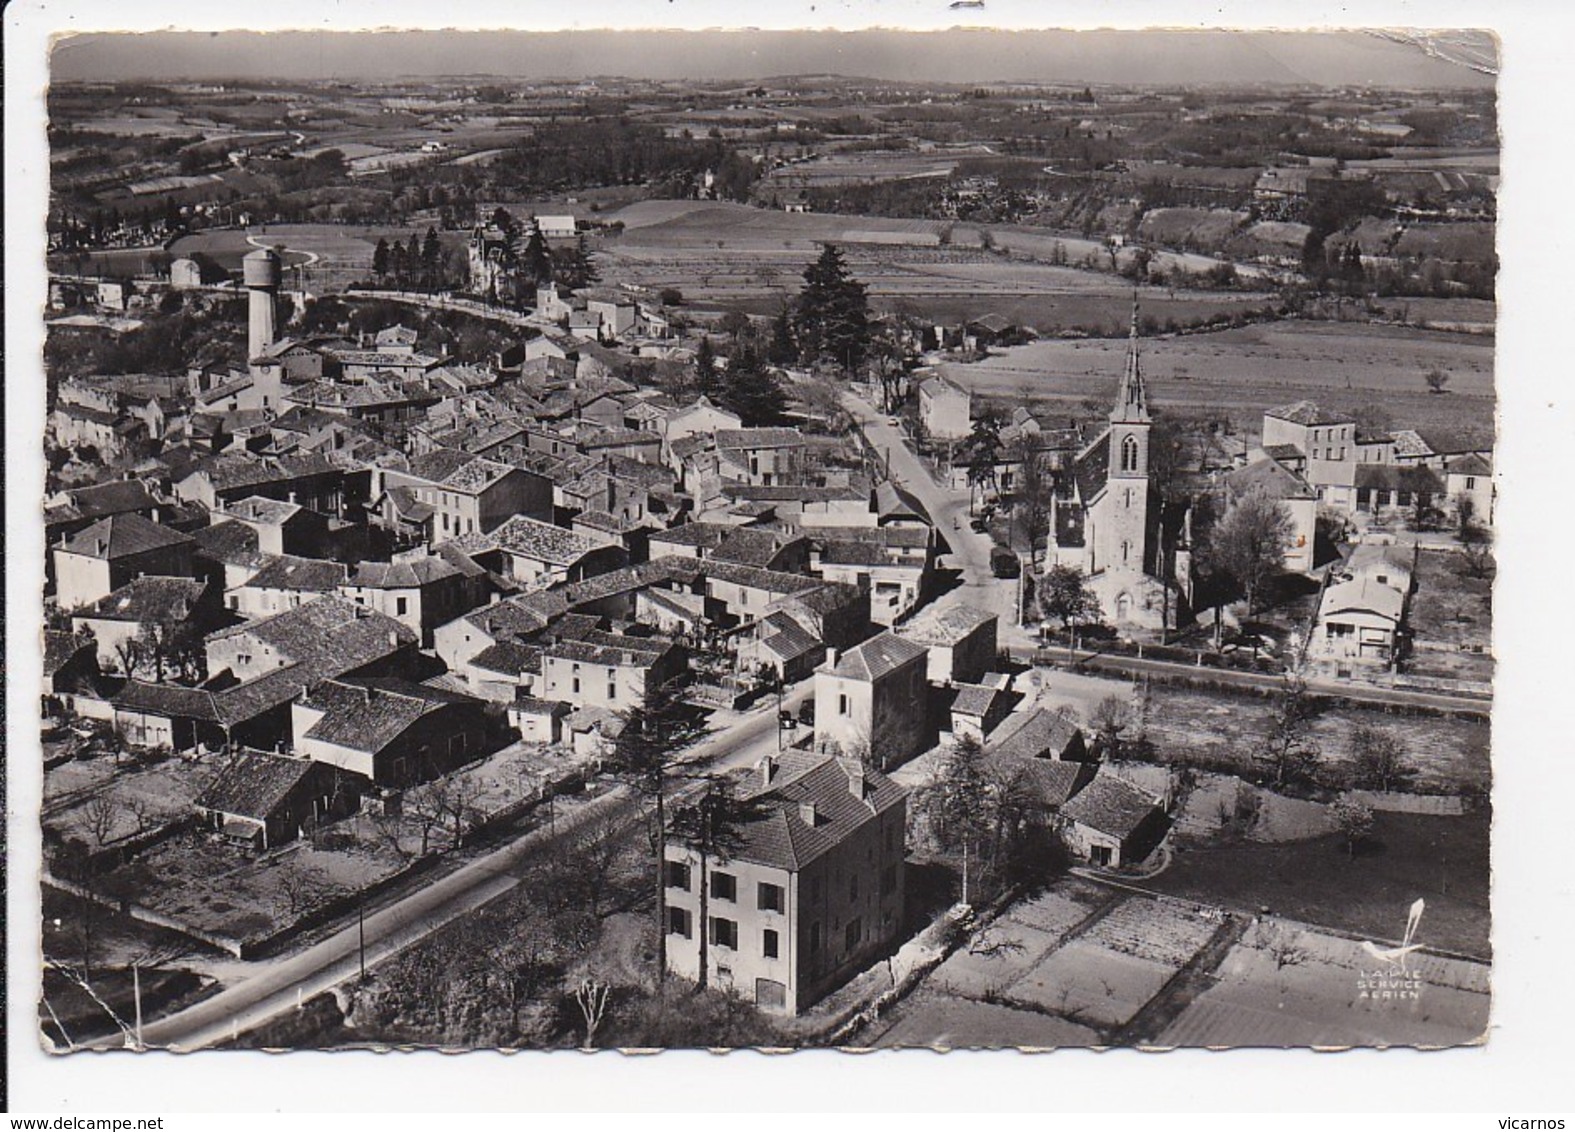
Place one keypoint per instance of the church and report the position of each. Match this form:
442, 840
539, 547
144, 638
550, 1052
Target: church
1105, 515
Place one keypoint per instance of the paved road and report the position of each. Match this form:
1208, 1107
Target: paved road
1129, 666
970, 552
281, 984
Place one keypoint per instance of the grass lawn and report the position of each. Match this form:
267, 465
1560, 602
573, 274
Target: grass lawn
1443, 860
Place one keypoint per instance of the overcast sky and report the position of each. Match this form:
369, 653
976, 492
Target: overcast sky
1162, 57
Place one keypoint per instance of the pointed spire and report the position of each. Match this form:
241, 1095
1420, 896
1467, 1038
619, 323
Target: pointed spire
1131, 394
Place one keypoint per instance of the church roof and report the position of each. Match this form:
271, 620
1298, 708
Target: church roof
1092, 467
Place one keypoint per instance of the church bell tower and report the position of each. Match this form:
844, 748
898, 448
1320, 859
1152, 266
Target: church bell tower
1126, 525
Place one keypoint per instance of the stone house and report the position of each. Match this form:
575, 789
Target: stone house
875, 699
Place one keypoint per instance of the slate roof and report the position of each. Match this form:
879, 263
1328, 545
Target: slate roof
254, 784
1110, 805
1091, 469
878, 656
122, 536
844, 794
368, 714
1308, 413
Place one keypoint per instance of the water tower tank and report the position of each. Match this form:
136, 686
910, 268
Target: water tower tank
262, 268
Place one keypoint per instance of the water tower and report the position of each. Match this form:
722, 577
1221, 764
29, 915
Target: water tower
261, 271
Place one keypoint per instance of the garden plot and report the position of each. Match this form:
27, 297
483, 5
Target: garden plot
100, 804
1091, 984
994, 959
938, 1021
1164, 931
1284, 985
1061, 910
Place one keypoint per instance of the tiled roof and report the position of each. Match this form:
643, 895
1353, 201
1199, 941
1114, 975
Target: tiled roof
60, 648
149, 598
1397, 477
229, 543
254, 783
1468, 465
170, 700
892, 502
1308, 413
228, 471
1364, 595
748, 546
259, 509
1036, 734
975, 699
368, 714
792, 493
292, 572
878, 656
121, 536
405, 574
749, 438
786, 637
842, 795
1271, 478
509, 658
1110, 805
99, 500
1051, 781
772, 581
934, 625
532, 538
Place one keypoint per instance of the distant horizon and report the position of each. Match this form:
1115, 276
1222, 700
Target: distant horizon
1463, 60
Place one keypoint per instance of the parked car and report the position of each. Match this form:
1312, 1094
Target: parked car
1004, 564
978, 526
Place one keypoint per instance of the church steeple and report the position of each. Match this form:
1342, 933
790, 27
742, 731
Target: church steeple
1131, 405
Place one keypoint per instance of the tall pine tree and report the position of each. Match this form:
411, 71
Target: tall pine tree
833, 314
751, 390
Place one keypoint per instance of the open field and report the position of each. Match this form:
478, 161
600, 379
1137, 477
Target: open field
754, 259
1284, 985
1081, 965
1442, 859
1247, 370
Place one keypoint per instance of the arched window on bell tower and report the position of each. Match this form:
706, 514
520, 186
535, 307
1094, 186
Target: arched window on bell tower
1129, 453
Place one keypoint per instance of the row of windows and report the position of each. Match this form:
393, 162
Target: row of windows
723, 932
724, 886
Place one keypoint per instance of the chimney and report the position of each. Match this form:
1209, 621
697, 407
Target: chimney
393, 639
806, 812
366, 691
768, 770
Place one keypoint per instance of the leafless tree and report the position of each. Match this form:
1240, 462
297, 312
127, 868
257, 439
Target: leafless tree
1112, 715
302, 888
1378, 761
591, 996
1437, 380
98, 815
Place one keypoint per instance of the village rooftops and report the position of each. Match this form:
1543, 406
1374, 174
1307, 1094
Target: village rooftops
1308, 413
362, 395
366, 714
508, 658
228, 472
386, 359
290, 572
772, 581
229, 543
1372, 554
409, 573
936, 626
1399, 477
785, 637
149, 598
1036, 734
1270, 478
97, 501
1470, 464
751, 438
1111, 806
123, 536
1363, 595
260, 509
793, 493
544, 542
598, 647
892, 502
877, 657
1412, 442
811, 804
253, 783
